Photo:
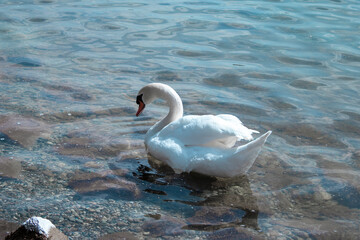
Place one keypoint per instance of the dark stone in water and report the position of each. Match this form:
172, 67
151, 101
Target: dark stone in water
298, 61
165, 226
352, 115
37, 19
213, 218
154, 216
106, 181
9, 168
348, 127
92, 146
303, 84
33, 229
304, 134
190, 53
356, 157
6, 228
81, 96
346, 58
25, 62
119, 236
157, 192
231, 80
22, 234
281, 105
167, 76
262, 76
29, 64
233, 108
25, 131
348, 196
234, 193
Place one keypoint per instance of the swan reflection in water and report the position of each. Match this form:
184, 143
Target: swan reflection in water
218, 202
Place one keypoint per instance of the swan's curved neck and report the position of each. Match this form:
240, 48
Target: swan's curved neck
175, 105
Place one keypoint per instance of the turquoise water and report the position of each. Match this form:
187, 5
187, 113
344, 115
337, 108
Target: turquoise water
72, 150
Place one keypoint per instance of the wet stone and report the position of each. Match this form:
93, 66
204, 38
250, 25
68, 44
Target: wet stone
36, 228
352, 115
234, 193
349, 127
189, 53
281, 105
167, 76
345, 57
6, 228
304, 134
265, 76
93, 164
338, 170
37, 19
155, 216
21, 233
9, 168
231, 80
25, 131
356, 157
90, 146
24, 62
211, 218
165, 226
298, 61
106, 182
232, 108
81, 96
303, 84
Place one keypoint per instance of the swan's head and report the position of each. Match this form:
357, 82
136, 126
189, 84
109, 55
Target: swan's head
146, 96
153, 91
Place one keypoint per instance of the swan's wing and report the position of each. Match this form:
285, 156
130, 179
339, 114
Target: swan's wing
207, 130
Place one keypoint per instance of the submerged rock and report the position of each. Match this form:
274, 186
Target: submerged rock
304, 134
165, 226
212, 218
6, 228
106, 181
25, 131
304, 84
94, 145
231, 80
9, 168
37, 228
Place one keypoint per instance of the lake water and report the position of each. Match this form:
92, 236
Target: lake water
72, 149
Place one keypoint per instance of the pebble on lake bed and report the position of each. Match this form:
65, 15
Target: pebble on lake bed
37, 228
24, 131
9, 168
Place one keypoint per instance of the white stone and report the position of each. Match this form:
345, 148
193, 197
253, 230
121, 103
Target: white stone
39, 225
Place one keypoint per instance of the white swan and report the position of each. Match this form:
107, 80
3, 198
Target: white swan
203, 144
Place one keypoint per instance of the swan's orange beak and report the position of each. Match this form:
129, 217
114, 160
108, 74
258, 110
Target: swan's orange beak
141, 108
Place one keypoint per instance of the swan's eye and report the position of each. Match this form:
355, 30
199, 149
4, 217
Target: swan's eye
139, 99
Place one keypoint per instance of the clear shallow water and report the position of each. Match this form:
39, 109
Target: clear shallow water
71, 148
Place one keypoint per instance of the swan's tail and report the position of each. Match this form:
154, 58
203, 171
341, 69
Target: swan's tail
245, 155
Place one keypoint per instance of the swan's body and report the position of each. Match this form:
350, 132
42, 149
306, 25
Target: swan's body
203, 144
